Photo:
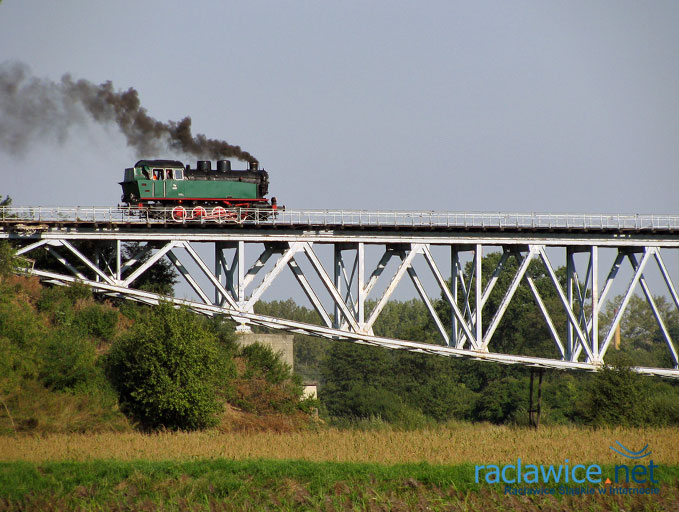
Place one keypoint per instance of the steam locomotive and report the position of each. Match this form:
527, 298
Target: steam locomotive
199, 192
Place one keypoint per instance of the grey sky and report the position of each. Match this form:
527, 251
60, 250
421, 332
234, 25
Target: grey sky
513, 106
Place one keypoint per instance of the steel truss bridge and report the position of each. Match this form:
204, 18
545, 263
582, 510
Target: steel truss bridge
248, 251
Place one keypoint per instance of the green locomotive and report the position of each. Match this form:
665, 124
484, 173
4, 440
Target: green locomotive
170, 183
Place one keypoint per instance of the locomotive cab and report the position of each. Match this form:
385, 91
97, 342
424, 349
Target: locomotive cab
152, 181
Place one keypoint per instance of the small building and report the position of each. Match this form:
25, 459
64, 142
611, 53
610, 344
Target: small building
310, 390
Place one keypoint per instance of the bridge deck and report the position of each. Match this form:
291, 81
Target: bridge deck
18, 218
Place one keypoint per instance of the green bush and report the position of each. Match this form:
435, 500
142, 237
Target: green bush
8, 259
361, 402
502, 401
262, 361
266, 384
443, 403
664, 406
617, 396
58, 302
97, 321
67, 361
166, 371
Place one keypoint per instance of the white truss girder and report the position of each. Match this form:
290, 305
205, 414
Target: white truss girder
232, 284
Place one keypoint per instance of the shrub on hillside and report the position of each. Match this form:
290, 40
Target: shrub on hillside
49, 377
8, 260
166, 370
97, 320
67, 361
265, 384
263, 362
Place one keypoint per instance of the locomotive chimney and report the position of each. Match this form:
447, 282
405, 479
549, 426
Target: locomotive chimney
254, 166
204, 165
223, 165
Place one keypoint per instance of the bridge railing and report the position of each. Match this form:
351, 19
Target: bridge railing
358, 218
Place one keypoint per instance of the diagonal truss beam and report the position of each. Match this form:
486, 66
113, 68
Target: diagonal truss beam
309, 291
628, 295
204, 268
149, 263
532, 251
667, 278
425, 298
269, 278
450, 298
654, 308
32, 246
258, 265
486, 292
136, 258
327, 282
349, 298
615, 267
543, 309
187, 276
569, 311
86, 261
381, 265
405, 263
65, 262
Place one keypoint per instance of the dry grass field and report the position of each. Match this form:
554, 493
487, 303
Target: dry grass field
451, 444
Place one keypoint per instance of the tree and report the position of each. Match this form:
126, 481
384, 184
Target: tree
8, 259
501, 400
641, 339
617, 396
406, 320
351, 374
166, 370
402, 387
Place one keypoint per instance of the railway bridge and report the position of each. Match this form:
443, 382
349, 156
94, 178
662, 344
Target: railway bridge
342, 259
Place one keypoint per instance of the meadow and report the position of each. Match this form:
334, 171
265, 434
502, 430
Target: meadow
319, 469
454, 443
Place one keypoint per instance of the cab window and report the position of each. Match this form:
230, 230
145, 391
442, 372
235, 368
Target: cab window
157, 174
168, 174
179, 174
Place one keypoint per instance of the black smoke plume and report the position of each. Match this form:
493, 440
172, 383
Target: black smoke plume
34, 109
